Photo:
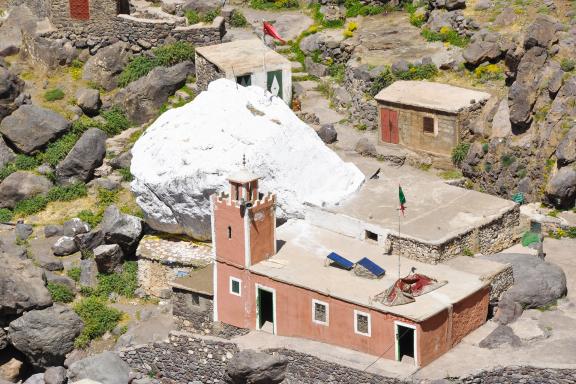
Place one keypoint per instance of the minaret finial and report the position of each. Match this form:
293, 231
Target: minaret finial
244, 160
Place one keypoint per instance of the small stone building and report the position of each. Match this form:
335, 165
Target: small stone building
192, 297
426, 116
163, 259
248, 62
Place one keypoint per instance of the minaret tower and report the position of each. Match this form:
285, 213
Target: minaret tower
243, 222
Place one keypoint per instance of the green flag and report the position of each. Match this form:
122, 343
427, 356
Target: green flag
402, 199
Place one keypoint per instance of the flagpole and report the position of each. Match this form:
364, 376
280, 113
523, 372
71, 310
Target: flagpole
399, 241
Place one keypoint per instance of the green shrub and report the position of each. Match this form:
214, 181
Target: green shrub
116, 121
567, 65
211, 15
25, 163
172, 54
5, 215
237, 19
415, 20
98, 319
54, 94
417, 72
38, 203
485, 147
93, 219
460, 152
60, 293
58, 150
138, 67
192, 17
488, 72
74, 273
507, 160
487, 167
164, 56
414, 72
383, 80
447, 35
126, 175
31, 205
278, 4
106, 197
356, 8
337, 71
124, 283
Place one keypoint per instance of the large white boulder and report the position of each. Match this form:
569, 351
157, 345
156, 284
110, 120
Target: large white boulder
186, 155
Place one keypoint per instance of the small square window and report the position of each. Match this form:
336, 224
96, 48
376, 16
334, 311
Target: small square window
428, 124
319, 312
245, 80
371, 236
362, 323
235, 286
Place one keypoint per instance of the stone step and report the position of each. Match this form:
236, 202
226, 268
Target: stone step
296, 66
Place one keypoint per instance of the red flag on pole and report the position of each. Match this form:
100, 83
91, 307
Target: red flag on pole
271, 31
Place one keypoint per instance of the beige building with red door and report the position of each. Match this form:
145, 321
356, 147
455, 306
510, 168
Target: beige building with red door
305, 280
426, 116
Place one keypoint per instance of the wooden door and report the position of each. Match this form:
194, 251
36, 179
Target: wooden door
80, 9
389, 126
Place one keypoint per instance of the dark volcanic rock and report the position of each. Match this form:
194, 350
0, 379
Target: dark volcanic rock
86, 155
143, 98
22, 185
106, 65
46, 336
256, 367
536, 282
328, 134
561, 189
503, 334
31, 128
88, 100
108, 258
105, 368
124, 230
542, 32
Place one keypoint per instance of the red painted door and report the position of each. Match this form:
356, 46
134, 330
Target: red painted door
389, 126
80, 9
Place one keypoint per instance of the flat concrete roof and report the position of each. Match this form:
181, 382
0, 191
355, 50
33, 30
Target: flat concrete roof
431, 95
301, 261
199, 281
241, 56
435, 210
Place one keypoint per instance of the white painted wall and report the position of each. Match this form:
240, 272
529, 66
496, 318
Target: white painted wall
259, 78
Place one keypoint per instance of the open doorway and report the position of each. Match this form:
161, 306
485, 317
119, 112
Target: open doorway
266, 312
405, 342
123, 7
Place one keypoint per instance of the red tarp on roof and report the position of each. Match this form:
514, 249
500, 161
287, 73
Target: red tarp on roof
404, 290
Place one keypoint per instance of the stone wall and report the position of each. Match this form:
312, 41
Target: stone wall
363, 109
489, 238
206, 72
500, 283
522, 375
187, 358
141, 33
102, 13
192, 311
38, 7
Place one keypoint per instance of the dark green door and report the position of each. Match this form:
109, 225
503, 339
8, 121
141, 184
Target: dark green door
274, 83
244, 80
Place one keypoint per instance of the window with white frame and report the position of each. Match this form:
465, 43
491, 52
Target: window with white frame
320, 312
362, 323
235, 286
